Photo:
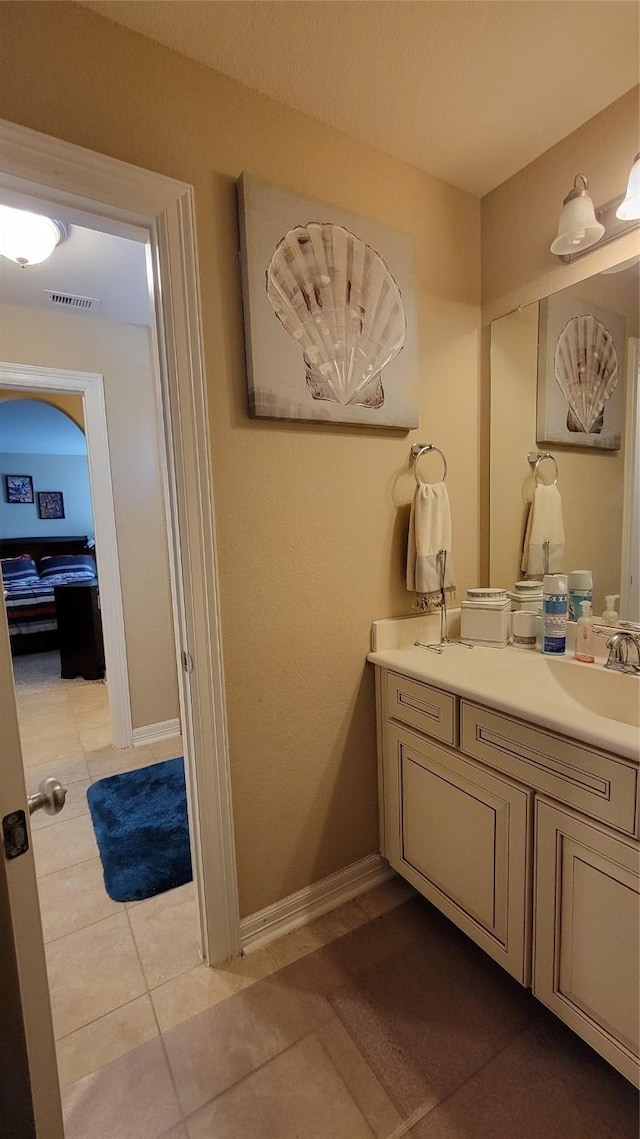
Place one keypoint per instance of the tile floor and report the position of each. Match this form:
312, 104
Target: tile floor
377, 1021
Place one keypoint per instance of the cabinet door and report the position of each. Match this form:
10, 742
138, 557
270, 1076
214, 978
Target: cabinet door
462, 839
586, 933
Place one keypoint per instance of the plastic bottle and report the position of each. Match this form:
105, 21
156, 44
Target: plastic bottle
584, 635
554, 613
580, 589
610, 617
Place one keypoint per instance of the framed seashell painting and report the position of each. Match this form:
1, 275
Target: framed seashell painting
329, 312
581, 351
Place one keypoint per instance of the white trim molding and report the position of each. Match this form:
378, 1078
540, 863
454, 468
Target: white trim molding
302, 907
92, 189
154, 733
630, 572
90, 386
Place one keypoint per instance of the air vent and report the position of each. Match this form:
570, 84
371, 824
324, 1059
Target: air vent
68, 300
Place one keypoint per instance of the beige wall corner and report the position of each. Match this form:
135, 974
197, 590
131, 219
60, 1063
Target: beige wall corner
121, 352
520, 217
311, 520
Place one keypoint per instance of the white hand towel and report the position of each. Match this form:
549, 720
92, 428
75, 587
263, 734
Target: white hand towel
429, 532
544, 524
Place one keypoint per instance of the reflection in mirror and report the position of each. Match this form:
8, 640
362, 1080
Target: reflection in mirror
598, 471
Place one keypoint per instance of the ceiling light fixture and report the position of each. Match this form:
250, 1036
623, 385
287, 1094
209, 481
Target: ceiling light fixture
629, 208
29, 239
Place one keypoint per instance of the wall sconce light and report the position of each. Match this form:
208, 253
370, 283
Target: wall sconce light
29, 239
578, 227
581, 226
629, 208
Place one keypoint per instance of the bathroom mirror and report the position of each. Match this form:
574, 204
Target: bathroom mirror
599, 487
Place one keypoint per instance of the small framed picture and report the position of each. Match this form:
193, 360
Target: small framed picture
19, 488
50, 504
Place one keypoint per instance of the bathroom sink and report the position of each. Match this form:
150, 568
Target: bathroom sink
599, 690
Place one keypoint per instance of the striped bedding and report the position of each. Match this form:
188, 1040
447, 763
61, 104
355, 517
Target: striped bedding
31, 607
29, 591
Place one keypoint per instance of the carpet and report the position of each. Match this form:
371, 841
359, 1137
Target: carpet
140, 822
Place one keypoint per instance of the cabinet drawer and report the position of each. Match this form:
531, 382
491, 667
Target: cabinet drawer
428, 709
600, 785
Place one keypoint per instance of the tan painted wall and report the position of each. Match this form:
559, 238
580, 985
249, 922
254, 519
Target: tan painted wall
121, 352
70, 404
519, 221
311, 520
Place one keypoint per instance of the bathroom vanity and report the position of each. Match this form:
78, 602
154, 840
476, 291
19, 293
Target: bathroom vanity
509, 797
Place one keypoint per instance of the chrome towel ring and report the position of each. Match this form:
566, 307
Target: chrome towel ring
537, 457
419, 449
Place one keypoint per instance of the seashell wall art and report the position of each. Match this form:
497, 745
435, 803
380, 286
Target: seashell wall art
580, 354
329, 311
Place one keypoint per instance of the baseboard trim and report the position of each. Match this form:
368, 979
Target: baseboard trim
305, 905
153, 733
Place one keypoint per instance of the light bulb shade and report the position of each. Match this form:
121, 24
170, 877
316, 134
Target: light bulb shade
28, 239
578, 227
629, 209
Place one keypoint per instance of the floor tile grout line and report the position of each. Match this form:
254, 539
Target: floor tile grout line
81, 862
88, 925
342, 1079
174, 1084
259, 1067
421, 1113
103, 1016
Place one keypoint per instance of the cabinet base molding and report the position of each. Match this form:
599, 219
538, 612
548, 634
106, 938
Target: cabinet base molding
153, 733
302, 907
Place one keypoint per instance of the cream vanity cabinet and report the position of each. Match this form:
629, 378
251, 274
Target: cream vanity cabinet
527, 841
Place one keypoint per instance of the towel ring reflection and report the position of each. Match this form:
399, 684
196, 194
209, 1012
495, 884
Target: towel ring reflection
419, 449
537, 457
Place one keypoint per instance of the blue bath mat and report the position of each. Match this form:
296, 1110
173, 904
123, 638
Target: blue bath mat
140, 822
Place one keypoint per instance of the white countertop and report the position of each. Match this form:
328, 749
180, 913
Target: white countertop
522, 683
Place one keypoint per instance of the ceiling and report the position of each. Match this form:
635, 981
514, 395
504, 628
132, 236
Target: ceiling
88, 264
468, 90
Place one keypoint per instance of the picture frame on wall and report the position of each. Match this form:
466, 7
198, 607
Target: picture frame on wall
581, 350
50, 504
19, 488
329, 301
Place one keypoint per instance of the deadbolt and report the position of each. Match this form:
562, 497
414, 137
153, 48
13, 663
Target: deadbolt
49, 797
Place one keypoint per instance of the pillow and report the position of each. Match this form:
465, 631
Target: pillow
69, 567
73, 577
22, 568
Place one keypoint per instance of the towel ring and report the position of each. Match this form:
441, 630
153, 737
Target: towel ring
419, 449
537, 457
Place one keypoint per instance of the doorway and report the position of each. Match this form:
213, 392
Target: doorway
83, 187
103, 960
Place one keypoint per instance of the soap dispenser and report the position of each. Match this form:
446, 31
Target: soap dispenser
610, 617
584, 635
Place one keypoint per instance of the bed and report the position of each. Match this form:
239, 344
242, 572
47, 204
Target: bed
31, 569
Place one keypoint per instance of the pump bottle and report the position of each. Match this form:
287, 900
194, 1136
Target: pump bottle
584, 635
610, 617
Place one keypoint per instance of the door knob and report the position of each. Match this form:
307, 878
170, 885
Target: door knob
49, 797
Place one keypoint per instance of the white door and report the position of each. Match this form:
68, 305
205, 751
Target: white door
26, 1030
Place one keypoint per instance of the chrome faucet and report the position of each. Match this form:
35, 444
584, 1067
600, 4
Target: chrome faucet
622, 646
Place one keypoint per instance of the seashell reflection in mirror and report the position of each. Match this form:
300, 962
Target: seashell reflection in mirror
336, 297
587, 372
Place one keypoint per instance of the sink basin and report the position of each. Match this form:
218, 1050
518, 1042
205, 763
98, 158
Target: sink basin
599, 690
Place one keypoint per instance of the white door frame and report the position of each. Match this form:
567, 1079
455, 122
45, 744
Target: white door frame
90, 386
630, 575
104, 193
